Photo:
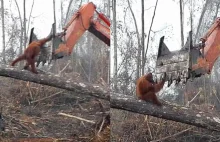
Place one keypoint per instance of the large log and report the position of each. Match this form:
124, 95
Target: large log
119, 101
56, 81
182, 114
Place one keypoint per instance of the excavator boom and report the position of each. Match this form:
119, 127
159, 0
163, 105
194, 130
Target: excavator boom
80, 22
212, 44
86, 18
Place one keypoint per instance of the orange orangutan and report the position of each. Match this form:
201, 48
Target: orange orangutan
146, 88
31, 52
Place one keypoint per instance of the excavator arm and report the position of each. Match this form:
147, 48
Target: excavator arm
83, 20
190, 61
211, 49
62, 44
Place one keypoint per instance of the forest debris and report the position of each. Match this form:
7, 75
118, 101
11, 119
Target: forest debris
104, 124
188, 103
174, 135
79, 118
61, 71
40, 140
148, 126
44, 98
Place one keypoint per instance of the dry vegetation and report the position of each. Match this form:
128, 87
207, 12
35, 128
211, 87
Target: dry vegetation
32, 110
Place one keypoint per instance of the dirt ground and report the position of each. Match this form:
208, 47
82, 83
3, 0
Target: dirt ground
33, 110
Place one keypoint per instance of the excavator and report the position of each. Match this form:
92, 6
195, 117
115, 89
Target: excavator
86, 18
191, 61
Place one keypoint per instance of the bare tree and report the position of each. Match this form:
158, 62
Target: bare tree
54, 14
216, 12
139, 41
200, 19
68, 9
148, 37
108, 52
181, 23
143, 37
62, 18
24, 21
108, 8
115, 44
80, 3
29, 18
21, 36
90, 59
3, 30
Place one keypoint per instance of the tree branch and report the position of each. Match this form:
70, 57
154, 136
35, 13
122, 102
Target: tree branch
138, 39
29, 19
148, 36
175, 113
55, 81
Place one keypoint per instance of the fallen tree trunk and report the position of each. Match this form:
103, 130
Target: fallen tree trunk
169, 112
55, 81
120, 101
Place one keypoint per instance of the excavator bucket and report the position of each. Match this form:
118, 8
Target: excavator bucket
175, 64
46, 54
47, 51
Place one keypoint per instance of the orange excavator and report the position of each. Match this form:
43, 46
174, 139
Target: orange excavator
190, 61
86, 18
